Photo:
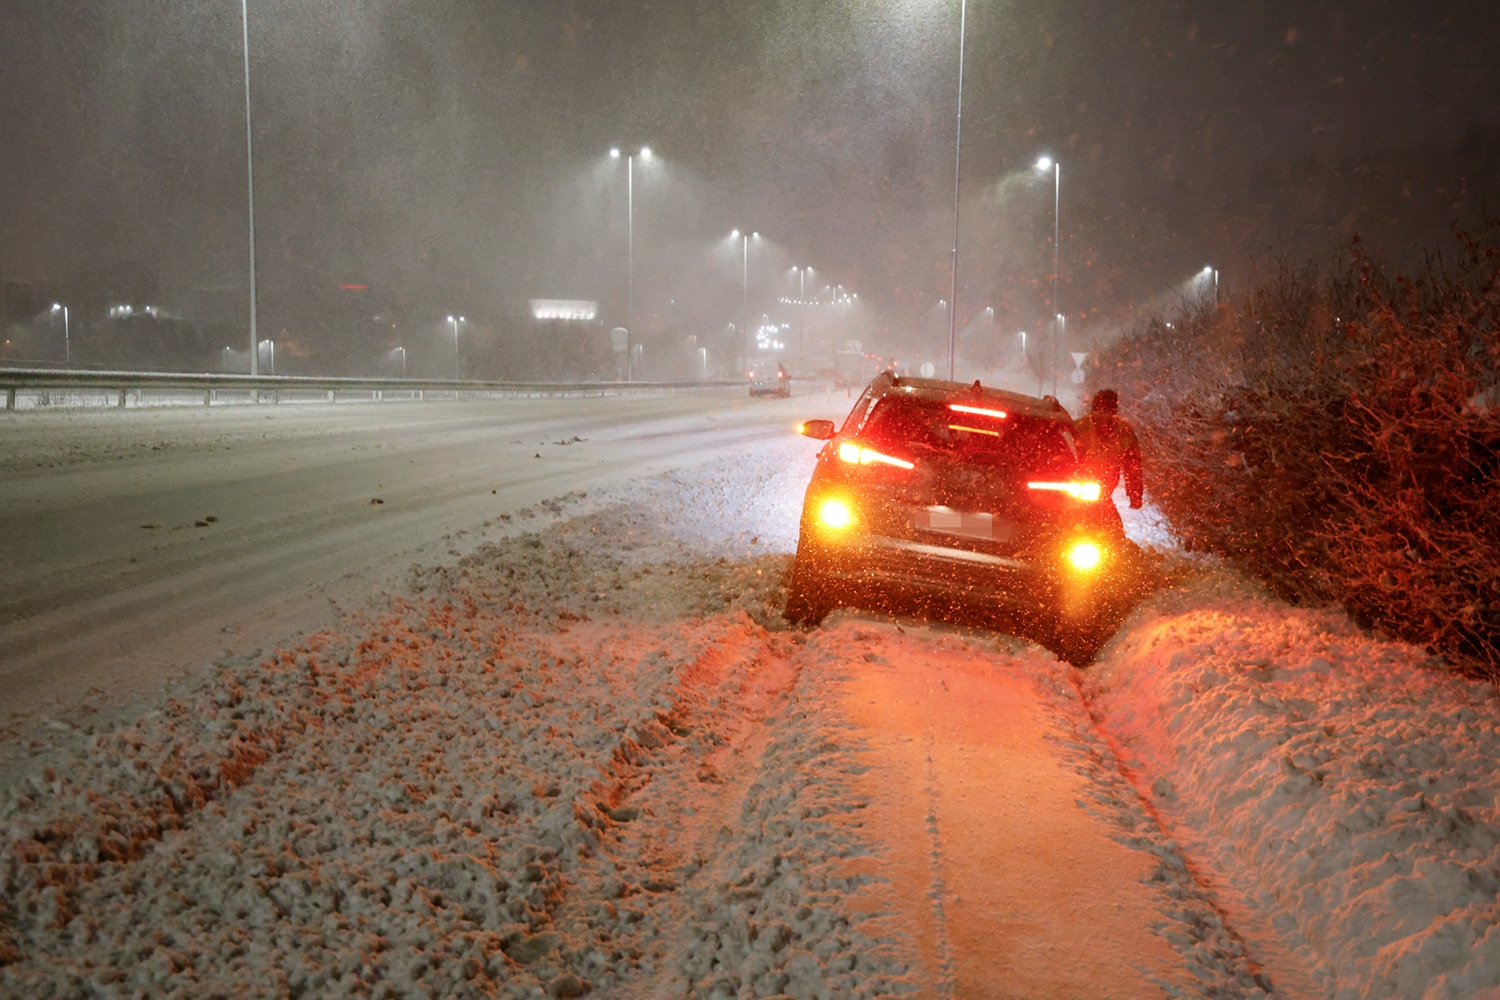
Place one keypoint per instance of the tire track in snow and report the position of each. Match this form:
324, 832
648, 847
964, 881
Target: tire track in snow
1195, 923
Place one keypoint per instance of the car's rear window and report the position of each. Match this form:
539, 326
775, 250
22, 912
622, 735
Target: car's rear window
1016, 443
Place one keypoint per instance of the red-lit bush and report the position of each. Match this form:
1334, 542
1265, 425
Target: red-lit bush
1338, 435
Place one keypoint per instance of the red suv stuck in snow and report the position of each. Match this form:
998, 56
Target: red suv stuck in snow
970, 497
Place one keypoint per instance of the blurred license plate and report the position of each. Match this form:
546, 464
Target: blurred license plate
953, 522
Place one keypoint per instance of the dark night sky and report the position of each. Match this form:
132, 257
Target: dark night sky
452, 152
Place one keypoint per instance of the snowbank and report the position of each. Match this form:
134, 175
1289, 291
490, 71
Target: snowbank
1344, 785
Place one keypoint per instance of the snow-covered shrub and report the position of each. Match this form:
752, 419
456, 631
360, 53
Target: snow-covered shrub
1339, 435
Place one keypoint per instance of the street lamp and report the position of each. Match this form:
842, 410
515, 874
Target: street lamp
801, 311
250, 185
403, 361
1059, 326
645, 155
457, 363
67, 340
744, 239
1043, 165
958, 146
1208, 272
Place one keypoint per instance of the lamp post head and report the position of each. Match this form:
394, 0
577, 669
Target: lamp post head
450, 319
56, 306
645, 152
614, 152
734, 234
1044, 164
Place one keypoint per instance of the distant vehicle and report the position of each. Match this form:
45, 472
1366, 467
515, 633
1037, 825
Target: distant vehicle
961, 496
769, 378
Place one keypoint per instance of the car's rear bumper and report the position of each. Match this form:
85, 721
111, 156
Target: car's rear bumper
870, 567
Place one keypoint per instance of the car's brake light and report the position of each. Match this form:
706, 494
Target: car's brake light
1075, 489
979, 411
856, 454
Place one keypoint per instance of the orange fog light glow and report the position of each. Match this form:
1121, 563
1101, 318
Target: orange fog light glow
1085, 556
835, 514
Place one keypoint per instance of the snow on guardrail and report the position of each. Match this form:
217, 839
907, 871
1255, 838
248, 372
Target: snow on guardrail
27, 389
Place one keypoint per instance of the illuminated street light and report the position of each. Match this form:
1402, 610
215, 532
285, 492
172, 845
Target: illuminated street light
403, 361
457, 362
1043, 165
67, 341
645, 155
802, 273
735, 234
958, 146
1060, 324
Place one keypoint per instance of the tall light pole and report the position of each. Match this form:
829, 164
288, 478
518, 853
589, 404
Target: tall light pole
250, 185
403, 361
458, 367
1043, 165
744, 239
67, 340
958, 146
644, 154
801, 311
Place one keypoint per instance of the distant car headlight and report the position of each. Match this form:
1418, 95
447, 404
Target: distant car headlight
835, 514
1084, 557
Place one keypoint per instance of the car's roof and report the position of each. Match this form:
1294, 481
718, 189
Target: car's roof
939, 390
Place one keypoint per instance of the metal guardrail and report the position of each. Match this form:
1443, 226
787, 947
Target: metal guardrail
52, 389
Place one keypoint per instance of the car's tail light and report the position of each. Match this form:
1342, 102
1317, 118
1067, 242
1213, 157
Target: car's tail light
1084, 557
835, 514
857, 454
1076, 489
978, 411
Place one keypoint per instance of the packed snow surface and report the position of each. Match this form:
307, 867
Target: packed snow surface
1342, 786
587, 757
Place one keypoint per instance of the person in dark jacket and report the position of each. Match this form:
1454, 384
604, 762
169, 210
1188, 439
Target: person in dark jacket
1109, 447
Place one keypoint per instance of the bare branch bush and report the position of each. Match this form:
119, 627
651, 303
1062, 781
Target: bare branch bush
1338, 435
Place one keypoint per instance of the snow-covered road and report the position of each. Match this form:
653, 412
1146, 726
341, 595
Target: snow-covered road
136, 545
580, 753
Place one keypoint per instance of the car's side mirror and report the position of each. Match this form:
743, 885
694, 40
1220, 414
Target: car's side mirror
818, 430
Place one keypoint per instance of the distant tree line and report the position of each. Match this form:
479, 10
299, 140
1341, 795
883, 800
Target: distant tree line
1336, 433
